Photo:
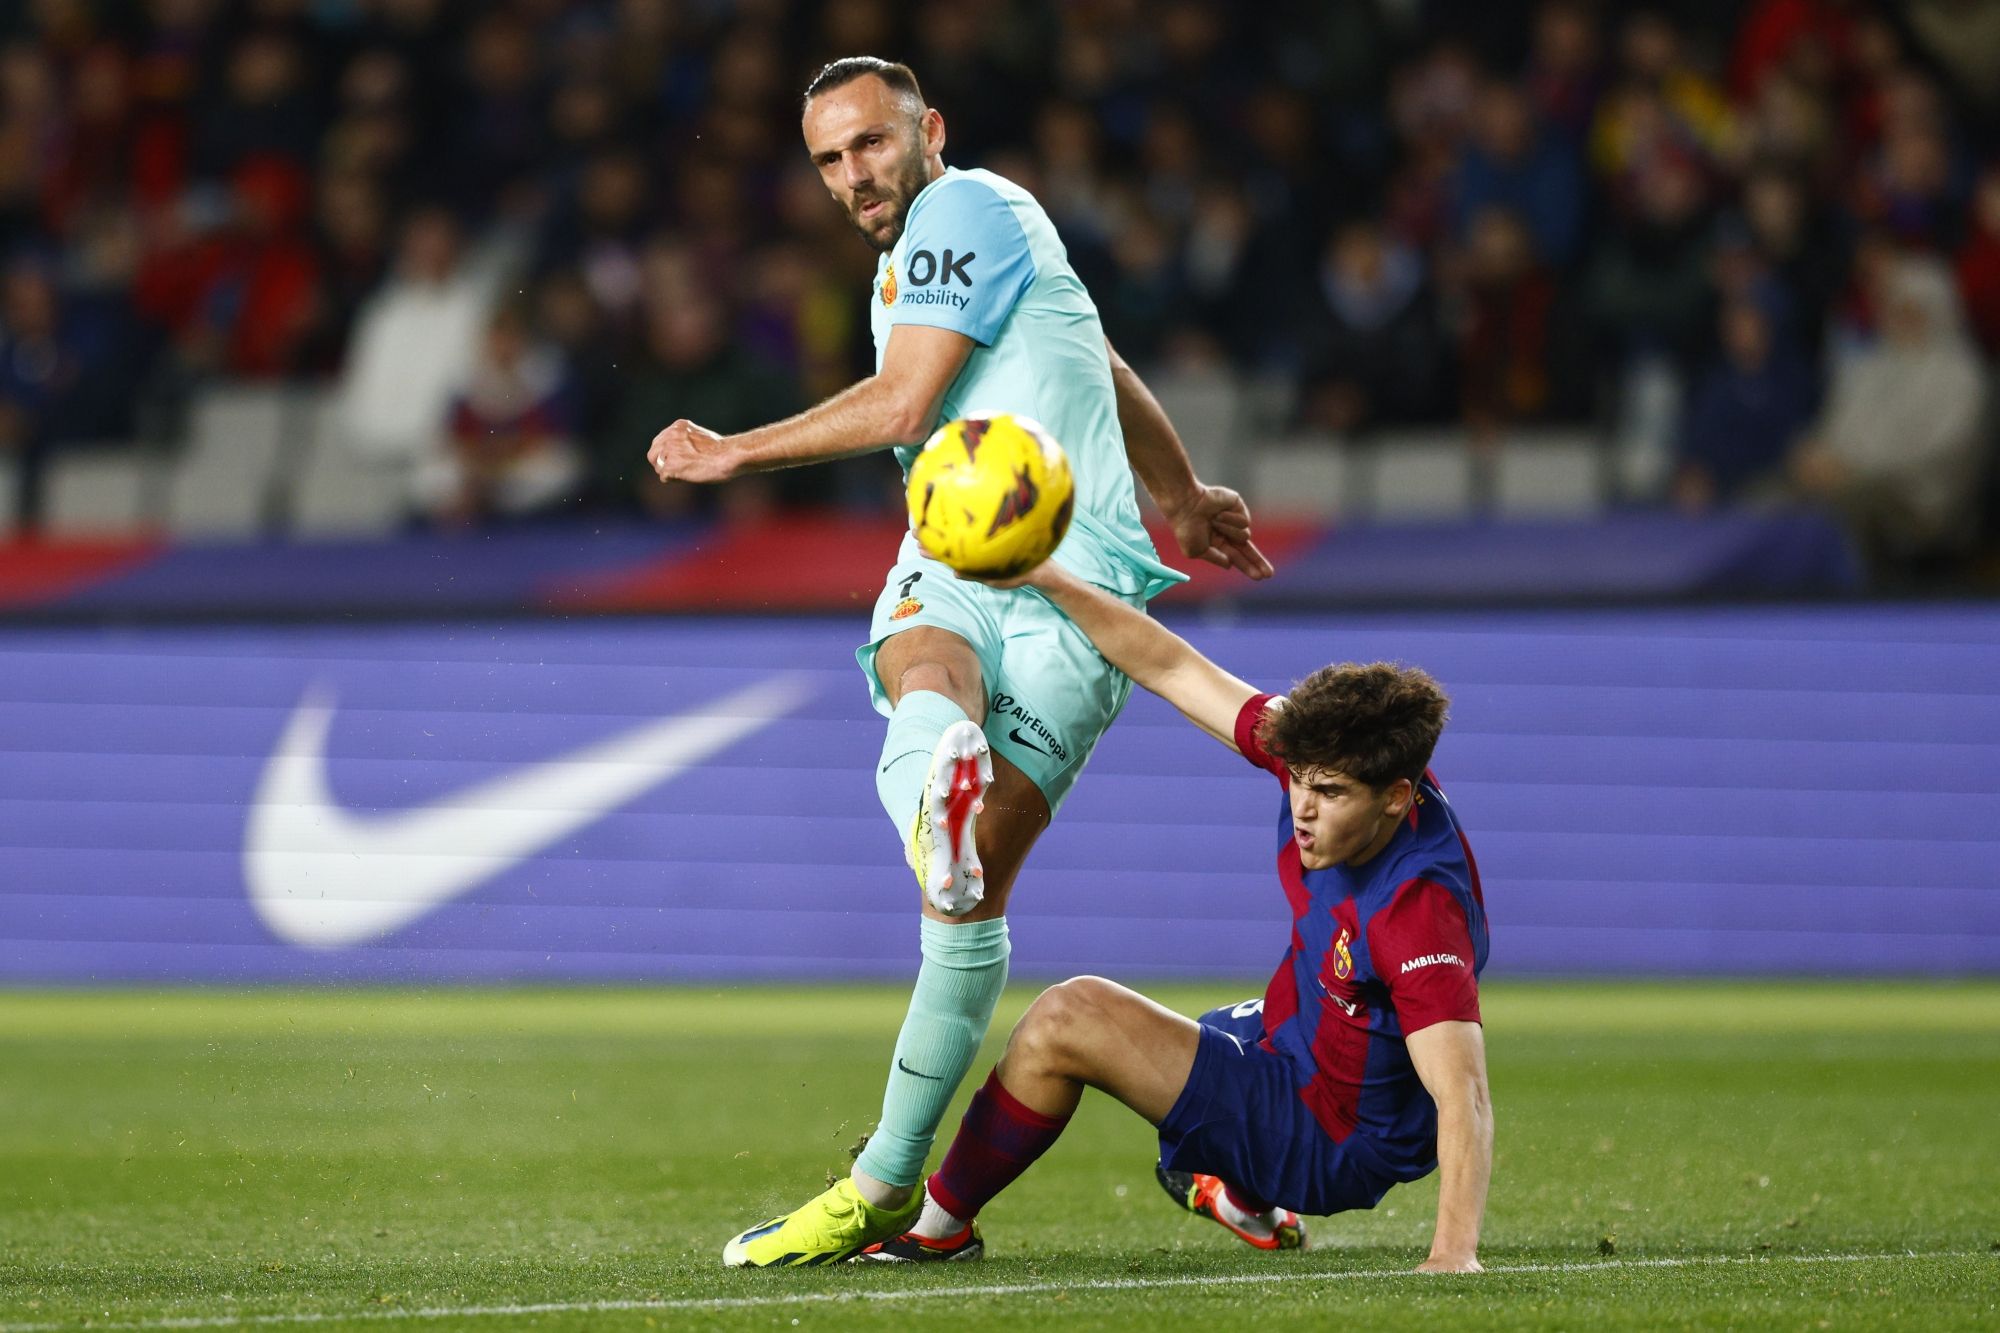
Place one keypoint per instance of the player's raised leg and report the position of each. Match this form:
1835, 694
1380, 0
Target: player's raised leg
936, 765
930, 675
1085, 1032
964, 965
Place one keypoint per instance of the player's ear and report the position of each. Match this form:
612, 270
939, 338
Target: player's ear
931, 123
1402, 792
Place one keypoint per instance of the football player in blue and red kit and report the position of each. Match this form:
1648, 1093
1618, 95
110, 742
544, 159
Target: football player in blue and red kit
1363, 1065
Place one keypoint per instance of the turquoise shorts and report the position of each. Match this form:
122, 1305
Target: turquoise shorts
1050, 693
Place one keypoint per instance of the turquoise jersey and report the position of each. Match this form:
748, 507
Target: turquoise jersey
979, 256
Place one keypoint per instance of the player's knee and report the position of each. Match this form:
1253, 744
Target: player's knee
1055, 1032
935, 677
936, 661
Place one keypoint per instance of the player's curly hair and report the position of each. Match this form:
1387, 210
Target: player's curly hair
1373, 723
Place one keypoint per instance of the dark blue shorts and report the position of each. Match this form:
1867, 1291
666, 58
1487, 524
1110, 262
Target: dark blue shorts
1240, 1117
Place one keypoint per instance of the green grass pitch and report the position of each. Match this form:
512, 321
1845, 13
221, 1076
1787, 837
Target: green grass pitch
1693, 1155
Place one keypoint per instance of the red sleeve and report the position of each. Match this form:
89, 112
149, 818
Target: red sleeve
1247, 719
1422, 949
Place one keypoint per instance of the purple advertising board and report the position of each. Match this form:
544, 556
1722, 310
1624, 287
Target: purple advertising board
1809, 790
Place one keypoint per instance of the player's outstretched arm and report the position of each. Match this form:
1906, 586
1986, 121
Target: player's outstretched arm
1211, 523
1150, 653
896, 405
1451, 1060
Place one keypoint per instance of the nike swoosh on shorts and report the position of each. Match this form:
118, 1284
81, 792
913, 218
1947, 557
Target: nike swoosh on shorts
1018, 739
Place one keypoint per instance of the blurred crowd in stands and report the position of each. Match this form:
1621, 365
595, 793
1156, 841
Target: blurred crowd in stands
520, 236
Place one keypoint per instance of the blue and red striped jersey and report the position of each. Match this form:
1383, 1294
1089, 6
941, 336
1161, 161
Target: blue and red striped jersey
1378, 951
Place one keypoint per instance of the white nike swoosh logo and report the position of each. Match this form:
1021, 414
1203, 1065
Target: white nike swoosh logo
324, 877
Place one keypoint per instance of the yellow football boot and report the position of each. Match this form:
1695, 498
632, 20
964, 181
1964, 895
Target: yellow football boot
837, 1225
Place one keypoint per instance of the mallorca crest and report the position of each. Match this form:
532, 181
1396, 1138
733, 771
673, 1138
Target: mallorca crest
889, 285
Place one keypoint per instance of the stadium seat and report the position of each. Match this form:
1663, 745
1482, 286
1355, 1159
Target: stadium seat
10, 494
1206, 410
1304, 476
1266, 402
1541, 474
221, 484
1417, 474
335, 492
100, 491
1642, 439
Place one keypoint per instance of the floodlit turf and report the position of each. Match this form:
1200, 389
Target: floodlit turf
1670, 1156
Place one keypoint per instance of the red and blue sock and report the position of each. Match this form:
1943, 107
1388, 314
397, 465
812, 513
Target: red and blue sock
999, 1138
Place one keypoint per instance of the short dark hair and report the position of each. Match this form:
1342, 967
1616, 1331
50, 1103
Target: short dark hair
1374, 723
847, 69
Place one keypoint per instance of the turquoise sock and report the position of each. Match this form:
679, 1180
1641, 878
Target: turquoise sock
920, 719
965, 968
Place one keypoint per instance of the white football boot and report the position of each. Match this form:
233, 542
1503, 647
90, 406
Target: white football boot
943, 847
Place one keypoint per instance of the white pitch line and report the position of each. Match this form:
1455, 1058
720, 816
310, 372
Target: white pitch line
945, 1293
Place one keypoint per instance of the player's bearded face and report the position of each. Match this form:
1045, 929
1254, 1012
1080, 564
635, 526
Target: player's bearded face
879, 206
872, 148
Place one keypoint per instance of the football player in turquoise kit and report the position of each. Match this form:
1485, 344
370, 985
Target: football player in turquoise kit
1364, 1063
975, 310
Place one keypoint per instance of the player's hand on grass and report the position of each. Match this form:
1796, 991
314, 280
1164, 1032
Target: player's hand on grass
1215, 526
1438, 1263
687, 452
